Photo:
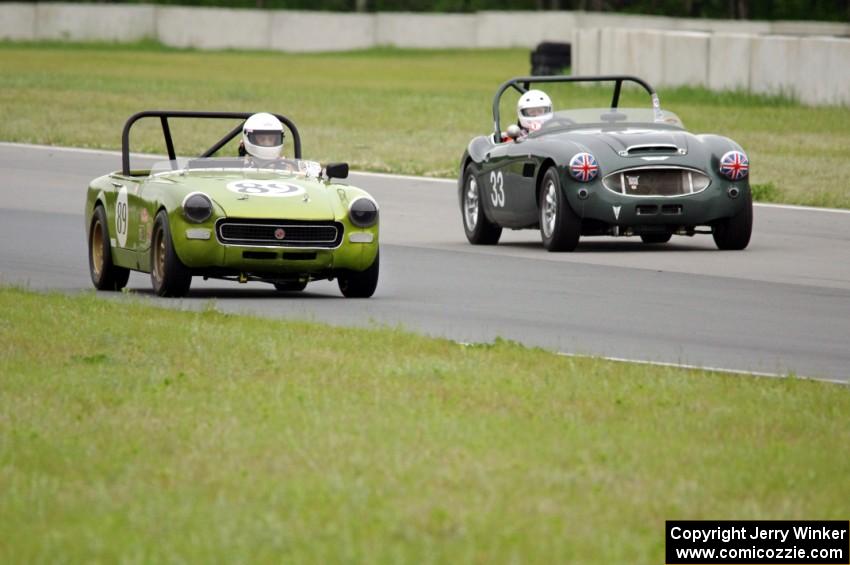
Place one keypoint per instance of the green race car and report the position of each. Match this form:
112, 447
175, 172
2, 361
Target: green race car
604, 171
281, 221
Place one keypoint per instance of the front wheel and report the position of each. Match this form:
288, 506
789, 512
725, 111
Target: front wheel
105, 275
169, 276
560, 227
360, 284
479, 230
734, 233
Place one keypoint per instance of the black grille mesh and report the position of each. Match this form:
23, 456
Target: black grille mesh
656, 182
296, 233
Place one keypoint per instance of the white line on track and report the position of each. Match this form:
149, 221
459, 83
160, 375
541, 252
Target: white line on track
363, 173
684, 366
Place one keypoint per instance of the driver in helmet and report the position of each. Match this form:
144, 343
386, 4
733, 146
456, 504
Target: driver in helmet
533, 110
262, 140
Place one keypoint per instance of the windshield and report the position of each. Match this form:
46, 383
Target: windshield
241, 166
611, 117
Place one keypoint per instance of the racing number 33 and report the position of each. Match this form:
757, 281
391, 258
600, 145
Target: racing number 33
497, 183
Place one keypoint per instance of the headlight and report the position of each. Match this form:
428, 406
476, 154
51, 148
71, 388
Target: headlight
363, 212
734, 165
197, 207
583, 167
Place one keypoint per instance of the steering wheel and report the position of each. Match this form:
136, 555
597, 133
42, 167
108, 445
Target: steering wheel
285, 165
559, 121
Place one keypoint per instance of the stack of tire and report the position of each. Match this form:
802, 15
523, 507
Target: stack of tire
550, 58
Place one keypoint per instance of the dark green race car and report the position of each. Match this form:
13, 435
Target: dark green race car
610, 171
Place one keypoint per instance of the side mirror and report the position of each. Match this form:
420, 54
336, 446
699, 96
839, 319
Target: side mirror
336, 170
514, 132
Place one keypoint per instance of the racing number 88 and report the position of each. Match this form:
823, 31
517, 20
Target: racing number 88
497, 183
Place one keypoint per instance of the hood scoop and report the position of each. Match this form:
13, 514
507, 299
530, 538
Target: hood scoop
652, 150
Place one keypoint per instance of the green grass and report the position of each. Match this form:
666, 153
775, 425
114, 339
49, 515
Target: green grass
132, 433
384, 109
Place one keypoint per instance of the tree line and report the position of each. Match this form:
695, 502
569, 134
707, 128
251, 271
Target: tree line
828, 10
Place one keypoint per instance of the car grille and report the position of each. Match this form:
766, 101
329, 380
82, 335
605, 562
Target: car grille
295, 233
657, 182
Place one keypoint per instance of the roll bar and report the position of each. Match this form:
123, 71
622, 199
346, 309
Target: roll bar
163, 116
522, 84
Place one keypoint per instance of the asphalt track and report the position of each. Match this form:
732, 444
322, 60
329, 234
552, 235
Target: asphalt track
781, 306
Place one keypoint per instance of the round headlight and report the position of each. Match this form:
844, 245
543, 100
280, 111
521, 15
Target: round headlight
734, 165
197, 207
363, 212
583, 167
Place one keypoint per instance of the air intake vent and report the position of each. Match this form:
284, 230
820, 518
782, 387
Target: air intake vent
653, 149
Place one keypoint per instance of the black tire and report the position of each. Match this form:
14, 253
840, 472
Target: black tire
554, 48
560, 226
105, 275
169, 276
734, 233
291, 286
656, 237
478, 229
360, 284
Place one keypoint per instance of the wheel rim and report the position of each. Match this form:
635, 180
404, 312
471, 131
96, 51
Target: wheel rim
158, 255
470, 206
549, 210
97, 249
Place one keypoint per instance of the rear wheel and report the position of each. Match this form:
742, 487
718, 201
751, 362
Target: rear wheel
734, 233
656, 237
560, 227
479, 230
105, 275
360, 284
169, 276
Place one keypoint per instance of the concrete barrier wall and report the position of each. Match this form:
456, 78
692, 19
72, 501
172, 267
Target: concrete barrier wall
815, 70
312, 31
508, 29
685, 58
774, 63
17, 21
585, 52
426, 30
109, 22
824, 78
729, 61
762, 57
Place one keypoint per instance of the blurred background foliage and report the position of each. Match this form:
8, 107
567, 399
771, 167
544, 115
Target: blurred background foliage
829, 10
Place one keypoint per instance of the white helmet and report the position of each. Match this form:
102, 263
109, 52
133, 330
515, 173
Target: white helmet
533, 109
262, 136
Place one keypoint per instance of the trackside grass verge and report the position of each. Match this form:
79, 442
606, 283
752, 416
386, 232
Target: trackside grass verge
401, 111
139, 434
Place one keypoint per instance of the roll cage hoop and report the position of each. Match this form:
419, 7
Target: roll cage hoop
163, 116
522, 84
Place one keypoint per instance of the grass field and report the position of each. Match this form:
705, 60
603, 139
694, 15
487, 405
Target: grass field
383, 110
135, 434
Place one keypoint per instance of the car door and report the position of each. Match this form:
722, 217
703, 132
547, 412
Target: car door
508, 180
123, 217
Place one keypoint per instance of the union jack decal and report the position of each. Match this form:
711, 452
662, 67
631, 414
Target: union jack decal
583, 167
734, 165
